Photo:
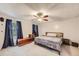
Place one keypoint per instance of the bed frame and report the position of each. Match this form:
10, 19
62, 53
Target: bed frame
58, 34
47, 47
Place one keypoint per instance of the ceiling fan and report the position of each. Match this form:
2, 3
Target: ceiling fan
41, 17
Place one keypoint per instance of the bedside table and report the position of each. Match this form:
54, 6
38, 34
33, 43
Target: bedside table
66, 41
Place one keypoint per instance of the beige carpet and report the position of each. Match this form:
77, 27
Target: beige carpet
35, 50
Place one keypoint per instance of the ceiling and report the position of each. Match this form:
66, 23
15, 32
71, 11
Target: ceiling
56, 11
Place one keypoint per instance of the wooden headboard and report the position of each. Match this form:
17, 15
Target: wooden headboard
58, 34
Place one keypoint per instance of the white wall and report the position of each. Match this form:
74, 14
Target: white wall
26, 27
70, 28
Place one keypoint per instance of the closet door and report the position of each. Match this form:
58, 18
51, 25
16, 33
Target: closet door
2, 33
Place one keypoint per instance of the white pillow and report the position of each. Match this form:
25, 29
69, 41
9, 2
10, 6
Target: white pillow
51, 34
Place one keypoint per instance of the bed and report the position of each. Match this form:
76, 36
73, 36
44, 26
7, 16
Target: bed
52, 40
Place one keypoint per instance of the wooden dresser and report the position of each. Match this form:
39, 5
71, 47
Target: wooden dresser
24, 41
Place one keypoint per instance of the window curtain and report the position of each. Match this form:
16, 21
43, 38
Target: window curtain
19, 30
35, 30
37, 34
8, 40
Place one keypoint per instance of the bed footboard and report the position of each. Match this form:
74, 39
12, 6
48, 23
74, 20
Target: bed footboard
59, 52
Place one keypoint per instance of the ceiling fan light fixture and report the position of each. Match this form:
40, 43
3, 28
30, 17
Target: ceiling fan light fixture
40, 20
41, 17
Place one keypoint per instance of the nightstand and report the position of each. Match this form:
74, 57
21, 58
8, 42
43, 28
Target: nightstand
66, 41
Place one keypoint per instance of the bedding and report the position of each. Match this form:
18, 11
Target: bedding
49, 41
55, 39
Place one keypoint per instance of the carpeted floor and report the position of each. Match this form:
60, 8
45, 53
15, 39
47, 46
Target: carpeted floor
34, 50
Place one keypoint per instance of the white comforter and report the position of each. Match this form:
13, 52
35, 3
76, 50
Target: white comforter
54, 39
51, 42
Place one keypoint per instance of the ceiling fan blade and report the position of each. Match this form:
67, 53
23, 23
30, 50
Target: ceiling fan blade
45, 16
34, 15
45, 19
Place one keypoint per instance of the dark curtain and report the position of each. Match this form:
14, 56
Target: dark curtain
35, 29
8, 40
19, 30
